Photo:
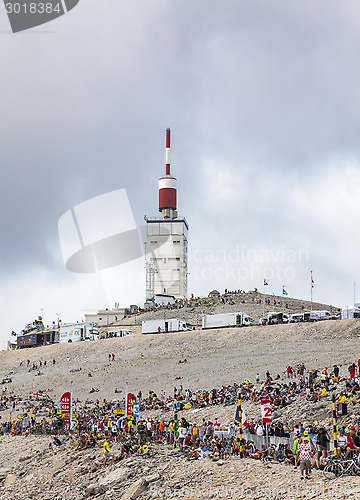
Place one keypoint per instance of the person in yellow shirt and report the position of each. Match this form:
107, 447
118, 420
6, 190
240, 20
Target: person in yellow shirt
131, 427
195, 430
343, 401
107, 453
172, 432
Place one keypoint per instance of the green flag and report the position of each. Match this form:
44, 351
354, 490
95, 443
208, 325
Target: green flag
285, 292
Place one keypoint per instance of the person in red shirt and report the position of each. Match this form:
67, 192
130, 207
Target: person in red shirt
350, 444
187, 442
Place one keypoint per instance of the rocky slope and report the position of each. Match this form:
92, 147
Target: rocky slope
29, 469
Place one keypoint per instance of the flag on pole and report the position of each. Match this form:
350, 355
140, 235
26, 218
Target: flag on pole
265, 283
243, 417
285, 292
312, 283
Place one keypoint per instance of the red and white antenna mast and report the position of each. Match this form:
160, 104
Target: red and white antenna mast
167, 186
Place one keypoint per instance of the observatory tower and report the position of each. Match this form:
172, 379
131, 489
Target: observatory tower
166, 246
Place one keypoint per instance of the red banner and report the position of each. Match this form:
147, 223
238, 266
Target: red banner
38, 395
266, 411
65, 408
130, 400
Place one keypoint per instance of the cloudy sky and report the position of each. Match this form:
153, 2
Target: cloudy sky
263, 102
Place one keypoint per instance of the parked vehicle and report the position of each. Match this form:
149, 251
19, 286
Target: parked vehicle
121, 333
226, 319
297, 318
323, 315
275, 318
165, 326
76, 332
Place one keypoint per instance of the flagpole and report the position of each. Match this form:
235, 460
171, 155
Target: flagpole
71, 403
264, 301
354, 294
240, 424
311, 284
126, 398
267, 441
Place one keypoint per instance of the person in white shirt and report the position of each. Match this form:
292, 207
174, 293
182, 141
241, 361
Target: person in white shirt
342, 442
259, 430
182, 433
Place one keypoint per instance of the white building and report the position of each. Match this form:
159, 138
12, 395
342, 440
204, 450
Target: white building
104, 317
7, 345
166, 251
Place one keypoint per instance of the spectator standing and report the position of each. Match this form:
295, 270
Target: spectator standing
304, 449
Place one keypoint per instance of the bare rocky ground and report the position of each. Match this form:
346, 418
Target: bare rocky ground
215, 358
33, 471
28, 469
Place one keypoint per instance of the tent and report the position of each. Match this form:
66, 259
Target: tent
350, 312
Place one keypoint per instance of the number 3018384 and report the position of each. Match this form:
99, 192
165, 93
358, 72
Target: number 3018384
33, 8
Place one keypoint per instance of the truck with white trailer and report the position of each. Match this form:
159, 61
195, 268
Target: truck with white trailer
76, 332
225, 320
165, 326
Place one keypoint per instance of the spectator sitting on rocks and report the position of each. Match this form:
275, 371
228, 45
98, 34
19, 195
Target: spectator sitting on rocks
188, 443
289, 455
82, 445
143, 450
194, 452
263, 452
91, 442
126, 449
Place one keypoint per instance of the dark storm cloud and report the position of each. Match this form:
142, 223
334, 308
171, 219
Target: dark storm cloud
268, 87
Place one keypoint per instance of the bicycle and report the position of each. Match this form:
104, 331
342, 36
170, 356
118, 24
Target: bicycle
350, 467
337, 468
333, 469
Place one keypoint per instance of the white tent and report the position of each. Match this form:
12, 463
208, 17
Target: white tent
4, 346
350, 312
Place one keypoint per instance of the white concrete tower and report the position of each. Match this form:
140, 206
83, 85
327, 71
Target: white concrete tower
166, 247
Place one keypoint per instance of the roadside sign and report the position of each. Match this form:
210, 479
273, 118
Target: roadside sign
136, 409
266, 411
130, 400
65, 408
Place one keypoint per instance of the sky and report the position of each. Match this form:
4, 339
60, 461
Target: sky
263, 102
